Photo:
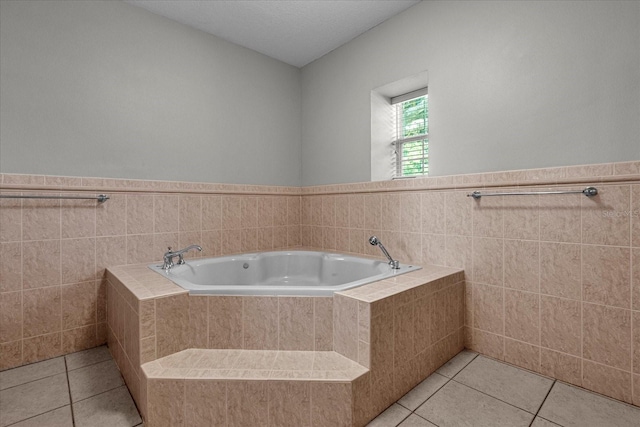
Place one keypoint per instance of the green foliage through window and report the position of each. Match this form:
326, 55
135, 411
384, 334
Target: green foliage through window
412, 143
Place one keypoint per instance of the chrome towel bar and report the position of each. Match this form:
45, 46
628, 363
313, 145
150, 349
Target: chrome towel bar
589, 192
100, 198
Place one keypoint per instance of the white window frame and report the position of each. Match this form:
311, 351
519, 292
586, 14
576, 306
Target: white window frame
399, 142
383, 125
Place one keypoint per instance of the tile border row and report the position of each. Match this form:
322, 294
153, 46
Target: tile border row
593, 174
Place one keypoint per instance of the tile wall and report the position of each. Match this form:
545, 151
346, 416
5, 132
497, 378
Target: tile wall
53, 253
553, 282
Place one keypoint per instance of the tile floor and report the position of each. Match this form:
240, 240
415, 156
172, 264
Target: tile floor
79, 389
472, 390
86, 389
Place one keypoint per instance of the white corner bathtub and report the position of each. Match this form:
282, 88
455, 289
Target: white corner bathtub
288, 273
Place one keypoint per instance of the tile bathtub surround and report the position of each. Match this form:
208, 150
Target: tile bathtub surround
387, 337
53, 253
151, 318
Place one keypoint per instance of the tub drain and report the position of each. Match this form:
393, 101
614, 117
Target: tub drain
245, 265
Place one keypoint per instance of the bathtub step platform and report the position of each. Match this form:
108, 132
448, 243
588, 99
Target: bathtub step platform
201, 364
252, 388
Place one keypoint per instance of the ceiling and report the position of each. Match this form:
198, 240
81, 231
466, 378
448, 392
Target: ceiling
293, 31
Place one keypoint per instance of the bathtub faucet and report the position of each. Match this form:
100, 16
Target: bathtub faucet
170, 255
376, 242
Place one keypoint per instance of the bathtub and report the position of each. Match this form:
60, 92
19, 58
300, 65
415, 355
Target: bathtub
287, 273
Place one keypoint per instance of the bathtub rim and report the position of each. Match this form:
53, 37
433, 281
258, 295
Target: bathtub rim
289, 290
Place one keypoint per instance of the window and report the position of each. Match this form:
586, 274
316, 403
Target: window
397, 120
411, 144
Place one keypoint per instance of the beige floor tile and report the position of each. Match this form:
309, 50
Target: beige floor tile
391, 417
37, 395
87, 357
60, 417
456, 405
94, 379
570, 406
420, 393
415, 421
512, 385
115, 408
455, 365
33, 398
28, 373
541, 422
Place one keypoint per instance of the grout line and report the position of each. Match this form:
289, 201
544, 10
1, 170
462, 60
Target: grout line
20, 241
420, 416
66, 372
504, 287
313, 310
432, 394
504, 302
226, 402
461, 369
184, 399
429, 398
278, 300
60, 279
633, 326
493, 397
581, 304
539, 364
542, 403
402, 420
595, 393
126, 228
34, 380
103, 392
208, 337
90, 364
37, 415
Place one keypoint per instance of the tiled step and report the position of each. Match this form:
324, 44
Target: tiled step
251, 388
256, 365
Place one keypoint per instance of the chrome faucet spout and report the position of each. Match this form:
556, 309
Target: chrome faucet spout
187, 249
169, 255
374, 241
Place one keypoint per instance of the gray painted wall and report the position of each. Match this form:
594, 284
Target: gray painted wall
108, 89
512, 85
103, 88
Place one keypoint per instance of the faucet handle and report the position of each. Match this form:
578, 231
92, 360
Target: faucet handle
168, 260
